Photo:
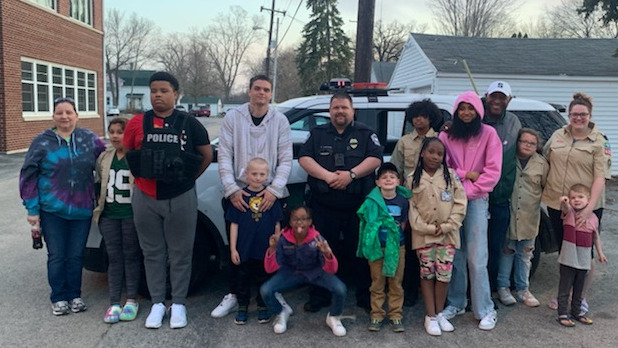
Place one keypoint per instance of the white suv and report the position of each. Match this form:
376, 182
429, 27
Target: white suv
385, 114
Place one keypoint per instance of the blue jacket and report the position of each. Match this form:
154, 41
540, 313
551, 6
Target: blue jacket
305, 259
58, 175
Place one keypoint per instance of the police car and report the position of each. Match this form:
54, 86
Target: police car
374, 106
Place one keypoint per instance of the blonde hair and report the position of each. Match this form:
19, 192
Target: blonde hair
257, 161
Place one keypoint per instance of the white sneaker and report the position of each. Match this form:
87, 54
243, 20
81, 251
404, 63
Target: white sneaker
284, 304
445, 325
527, 298
334, 322
489, 321
432, 326
178, 317
506, 297
155, 318
227, 305
450, 312
280, 325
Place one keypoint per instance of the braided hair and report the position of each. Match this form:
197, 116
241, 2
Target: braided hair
416, 176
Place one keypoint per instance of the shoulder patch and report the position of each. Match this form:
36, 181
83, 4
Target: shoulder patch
374, 138
608, 148
455, 176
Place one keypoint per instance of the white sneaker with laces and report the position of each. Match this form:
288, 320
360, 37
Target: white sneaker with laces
445, 325
527, 298
450, 312
155, 318
432, 326
227, 305
334, 322
280, 324
284, 304
506, 297
178, 316
489, 321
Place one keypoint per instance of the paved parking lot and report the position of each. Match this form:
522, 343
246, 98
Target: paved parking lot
28, 321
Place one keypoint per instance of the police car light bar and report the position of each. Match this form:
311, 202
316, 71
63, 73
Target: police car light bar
337, 84
372, 90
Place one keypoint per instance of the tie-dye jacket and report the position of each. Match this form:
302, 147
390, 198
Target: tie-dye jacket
57, 176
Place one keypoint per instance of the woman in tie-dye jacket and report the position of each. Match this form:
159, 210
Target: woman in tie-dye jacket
57, 187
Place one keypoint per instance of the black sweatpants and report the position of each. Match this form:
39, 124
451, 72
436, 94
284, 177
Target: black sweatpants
251, 271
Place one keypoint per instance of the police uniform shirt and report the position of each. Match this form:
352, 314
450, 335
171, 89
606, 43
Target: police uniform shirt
193, 135
334, 151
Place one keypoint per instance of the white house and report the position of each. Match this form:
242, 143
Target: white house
382, 71
550, 70
134, 94
134, 91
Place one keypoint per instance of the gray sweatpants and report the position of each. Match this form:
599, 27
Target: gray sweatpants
166, 228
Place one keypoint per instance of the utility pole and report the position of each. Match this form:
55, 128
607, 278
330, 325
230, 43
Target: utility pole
270, 32
364, 41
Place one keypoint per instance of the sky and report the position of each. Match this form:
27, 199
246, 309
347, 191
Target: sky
183, 15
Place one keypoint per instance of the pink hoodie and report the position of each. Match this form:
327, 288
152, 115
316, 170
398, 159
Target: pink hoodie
482, 153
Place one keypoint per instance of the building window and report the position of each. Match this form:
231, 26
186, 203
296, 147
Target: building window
81, 10
47, 3
43, 82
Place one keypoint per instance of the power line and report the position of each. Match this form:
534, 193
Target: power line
293, 18
288, 6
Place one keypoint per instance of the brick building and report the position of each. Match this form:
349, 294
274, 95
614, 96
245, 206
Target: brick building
49, 49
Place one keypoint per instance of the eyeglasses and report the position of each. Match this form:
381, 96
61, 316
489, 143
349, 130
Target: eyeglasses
300, 220
528, 143
64, 100
579, 115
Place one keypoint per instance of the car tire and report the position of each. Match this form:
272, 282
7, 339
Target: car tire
203, 263
95, 260
536, 258
205, 257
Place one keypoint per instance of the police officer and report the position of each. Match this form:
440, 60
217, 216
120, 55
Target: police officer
168, 150
340, 158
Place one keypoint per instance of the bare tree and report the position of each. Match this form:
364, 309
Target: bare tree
184, 55
226, 42
201, 74
539, 27
173, 55
479, 18
388, 40
127, 45
288, 81
568, 23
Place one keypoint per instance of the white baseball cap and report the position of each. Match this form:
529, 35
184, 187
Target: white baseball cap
499, 86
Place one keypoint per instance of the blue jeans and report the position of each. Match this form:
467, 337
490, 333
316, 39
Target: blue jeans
500, 217
283, 281
518, 258
65, 240
473, 252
